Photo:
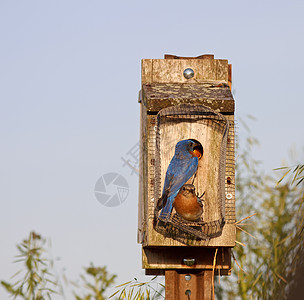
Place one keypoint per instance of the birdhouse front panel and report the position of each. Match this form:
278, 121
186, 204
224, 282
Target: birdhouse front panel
209, 130
190, 202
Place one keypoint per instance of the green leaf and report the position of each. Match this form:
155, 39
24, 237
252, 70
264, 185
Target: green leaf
283, 177
126, 283
281, 168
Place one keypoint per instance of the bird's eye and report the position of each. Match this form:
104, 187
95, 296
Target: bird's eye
191, 144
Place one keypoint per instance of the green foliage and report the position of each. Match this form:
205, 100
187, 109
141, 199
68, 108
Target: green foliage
298, 174
136, 290
269, 261
36, 283
95, 282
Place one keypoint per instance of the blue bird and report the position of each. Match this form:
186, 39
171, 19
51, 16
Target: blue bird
182, 167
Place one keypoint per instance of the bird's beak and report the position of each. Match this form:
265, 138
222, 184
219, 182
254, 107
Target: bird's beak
198, 147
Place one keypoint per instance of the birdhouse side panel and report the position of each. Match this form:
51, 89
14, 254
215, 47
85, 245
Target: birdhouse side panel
230, 174
142, 184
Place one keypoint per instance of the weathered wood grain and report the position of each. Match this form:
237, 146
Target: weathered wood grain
216, 95
164, 86
209, 69
146, 71
222, 69
149, 236
207, 177
142, 200
230, 173
171, 70
172, 258
230, 75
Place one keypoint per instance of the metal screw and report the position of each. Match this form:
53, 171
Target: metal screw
189, 261
188, 277
229, 196
188, 73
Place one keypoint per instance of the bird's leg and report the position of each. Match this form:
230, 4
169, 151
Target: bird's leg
200, 196
194, 177
200, 199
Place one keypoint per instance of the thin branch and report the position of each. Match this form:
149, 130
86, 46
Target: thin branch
244, 224
280, 277
240, 243
245, 218
238, 263
238, 227
213, 269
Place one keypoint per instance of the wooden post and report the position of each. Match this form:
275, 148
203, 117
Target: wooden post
192, 285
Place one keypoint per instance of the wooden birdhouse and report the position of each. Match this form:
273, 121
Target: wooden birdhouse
186, 99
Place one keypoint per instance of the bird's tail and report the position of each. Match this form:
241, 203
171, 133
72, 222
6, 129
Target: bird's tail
167, 208
162, 201
165, 204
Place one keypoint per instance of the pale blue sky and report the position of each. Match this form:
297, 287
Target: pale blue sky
69, 81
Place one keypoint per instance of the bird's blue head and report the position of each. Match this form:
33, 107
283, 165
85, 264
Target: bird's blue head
189, 148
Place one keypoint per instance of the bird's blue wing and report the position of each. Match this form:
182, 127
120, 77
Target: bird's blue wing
183, 173
169, 178
178, 173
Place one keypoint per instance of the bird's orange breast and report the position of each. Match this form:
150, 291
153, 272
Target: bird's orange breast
187, 206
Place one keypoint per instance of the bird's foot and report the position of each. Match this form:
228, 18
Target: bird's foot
164, 219
200, 196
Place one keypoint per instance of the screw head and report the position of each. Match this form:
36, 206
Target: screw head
188, 73
189, 261
228, 196
188, 277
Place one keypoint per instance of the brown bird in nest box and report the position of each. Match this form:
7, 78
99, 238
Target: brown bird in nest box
188, 204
